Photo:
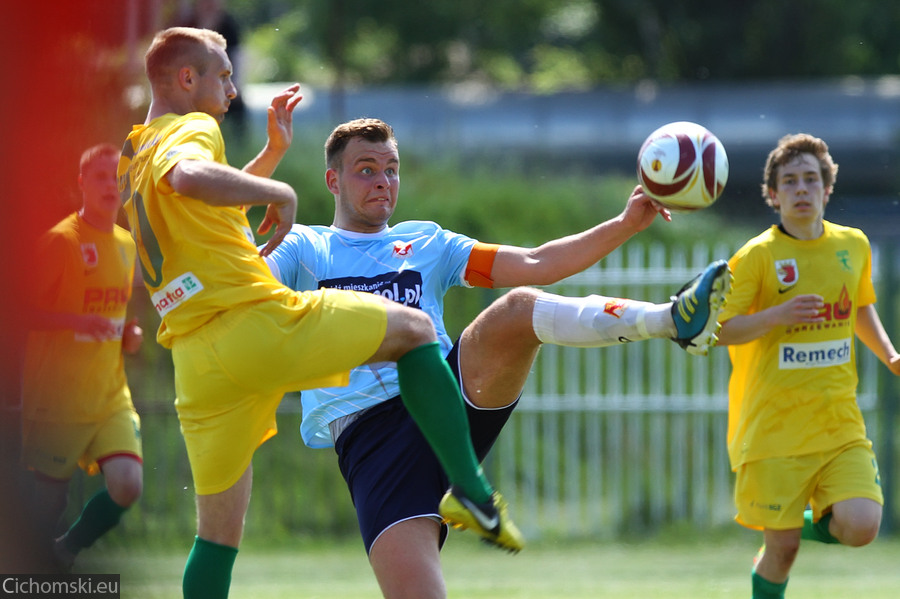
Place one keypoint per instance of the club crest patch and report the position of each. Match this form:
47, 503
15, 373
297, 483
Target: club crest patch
786, 271
89, 254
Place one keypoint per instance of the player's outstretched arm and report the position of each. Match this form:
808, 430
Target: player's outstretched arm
566, 256
279, 131
871, 332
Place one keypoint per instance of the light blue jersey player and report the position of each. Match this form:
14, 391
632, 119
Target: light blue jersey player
395, 481
414, 263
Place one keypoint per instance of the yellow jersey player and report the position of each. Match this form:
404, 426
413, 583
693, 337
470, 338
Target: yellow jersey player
240, 339
77, 407
802, 293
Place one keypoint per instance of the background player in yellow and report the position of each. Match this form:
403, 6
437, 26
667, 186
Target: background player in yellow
77, 405
239, 338
802, 292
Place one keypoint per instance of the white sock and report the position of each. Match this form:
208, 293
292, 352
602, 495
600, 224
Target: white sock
598, 321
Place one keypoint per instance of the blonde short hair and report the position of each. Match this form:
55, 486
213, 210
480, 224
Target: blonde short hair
176, 47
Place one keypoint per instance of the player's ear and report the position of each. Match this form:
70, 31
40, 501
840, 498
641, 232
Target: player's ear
331, 181
186, 77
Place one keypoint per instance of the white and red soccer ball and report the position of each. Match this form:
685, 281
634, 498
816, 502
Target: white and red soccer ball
683, 166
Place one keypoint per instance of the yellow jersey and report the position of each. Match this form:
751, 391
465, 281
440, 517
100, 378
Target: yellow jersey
793, 390
69, 377
197, 259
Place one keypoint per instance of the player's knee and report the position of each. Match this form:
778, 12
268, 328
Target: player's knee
861, 533
516, 307
415, 328
856, 522
126, 491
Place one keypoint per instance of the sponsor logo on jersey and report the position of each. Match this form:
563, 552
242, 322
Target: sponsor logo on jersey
615, 308
89, 254
403, 287
835, 314
176, 293
402, 249
786, 271
105, 299
798, 356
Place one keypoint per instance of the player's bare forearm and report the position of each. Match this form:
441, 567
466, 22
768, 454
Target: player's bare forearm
279, 132
744, 328
223, 185
871, 332
560, 258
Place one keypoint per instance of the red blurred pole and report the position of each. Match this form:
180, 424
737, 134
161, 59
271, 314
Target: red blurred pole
49, 114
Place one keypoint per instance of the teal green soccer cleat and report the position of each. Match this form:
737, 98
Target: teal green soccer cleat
696, 307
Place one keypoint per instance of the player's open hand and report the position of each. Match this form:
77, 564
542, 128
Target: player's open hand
280, 125
281, 216
805, 308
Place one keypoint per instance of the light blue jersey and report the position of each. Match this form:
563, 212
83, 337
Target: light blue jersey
414, 263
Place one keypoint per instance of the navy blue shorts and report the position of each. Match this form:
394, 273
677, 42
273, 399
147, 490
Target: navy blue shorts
391, 471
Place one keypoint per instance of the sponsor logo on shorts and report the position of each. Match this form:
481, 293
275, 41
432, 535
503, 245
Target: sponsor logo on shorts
769, 507
797, 356
176, 293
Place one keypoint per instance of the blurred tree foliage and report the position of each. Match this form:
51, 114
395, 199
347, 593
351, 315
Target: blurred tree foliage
548, 45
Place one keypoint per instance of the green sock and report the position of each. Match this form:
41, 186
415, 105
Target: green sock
763, 589
817, 531
432, 397
99, 515
207, 573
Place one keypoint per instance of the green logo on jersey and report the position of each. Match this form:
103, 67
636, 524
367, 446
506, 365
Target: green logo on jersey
843, 257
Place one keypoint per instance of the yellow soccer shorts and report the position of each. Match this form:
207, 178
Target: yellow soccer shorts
231, 374
56, 449
773, 493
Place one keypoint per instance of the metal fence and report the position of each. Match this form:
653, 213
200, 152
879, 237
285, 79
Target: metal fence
605, 443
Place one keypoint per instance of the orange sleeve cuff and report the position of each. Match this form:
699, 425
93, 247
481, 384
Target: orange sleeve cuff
481, 262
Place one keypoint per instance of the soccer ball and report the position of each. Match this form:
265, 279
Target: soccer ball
683, 166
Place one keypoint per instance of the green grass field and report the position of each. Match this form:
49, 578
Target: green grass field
657, 569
